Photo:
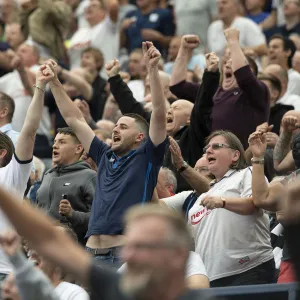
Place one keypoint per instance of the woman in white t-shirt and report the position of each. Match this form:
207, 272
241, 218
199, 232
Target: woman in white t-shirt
231, 235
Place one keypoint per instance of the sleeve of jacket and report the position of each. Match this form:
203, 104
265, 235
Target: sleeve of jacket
200, 124
59, 11
23, 18
125, 99
185, 90
31, 282
81, 219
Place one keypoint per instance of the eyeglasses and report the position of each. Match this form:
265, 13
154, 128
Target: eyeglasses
215, 146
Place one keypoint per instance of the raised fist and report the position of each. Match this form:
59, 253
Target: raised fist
112, 68
212, 62
232, 35
190, 41
151, 55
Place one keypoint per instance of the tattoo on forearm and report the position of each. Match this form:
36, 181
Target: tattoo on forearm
282, 147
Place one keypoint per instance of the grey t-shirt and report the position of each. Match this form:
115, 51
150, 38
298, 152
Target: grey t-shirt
104, 285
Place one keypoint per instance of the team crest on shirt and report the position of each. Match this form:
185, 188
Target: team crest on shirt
197, 217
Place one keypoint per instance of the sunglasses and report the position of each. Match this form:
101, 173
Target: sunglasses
215, 146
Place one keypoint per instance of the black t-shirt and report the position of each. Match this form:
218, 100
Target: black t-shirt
104, 285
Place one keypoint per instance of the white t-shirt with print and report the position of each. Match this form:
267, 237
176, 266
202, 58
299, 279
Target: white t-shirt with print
250, 34
229, 243
69, 291
14, 177
103, 36
194, 266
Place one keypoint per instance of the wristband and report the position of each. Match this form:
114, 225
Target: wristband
257, 160
39, 88
184, 166
224, 202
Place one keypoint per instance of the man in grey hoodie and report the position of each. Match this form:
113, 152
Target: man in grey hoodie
67, 190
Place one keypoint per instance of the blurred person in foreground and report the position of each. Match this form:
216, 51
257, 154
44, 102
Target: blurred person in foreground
156, 250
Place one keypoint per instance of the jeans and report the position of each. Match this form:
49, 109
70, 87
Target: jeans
111, 259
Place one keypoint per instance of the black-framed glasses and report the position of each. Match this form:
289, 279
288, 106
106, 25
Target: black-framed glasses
216, 146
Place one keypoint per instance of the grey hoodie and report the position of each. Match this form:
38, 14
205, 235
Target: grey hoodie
78, 182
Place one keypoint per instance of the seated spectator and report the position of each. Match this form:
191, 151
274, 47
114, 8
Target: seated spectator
296, 61
67, 190
195, 275
239, 84
45, 24
36, 177
291, 10
285, 97
217, 213
166, 183
36, 278
251, 36
147, 23
194, 17
281, 51
102, 32
255, 10
92, 60
7, 109
196, 61
277, 110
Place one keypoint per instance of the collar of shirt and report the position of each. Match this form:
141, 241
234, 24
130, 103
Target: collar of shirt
5, 128
228, 174
115, 159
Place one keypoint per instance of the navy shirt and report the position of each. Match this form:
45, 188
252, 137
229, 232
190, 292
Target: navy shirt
159, 19
122, 183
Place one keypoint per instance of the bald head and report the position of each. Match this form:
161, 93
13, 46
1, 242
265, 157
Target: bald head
165, 82
280, 73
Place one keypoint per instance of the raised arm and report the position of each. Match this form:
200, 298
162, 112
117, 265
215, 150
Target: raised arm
282, 149
69, 110
122, 93
83, 86
188, 44
112, 6
51, 243
238, 58
197, 181
158, 119
264, 196
25, 143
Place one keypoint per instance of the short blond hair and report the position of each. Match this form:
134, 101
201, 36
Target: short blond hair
180, 235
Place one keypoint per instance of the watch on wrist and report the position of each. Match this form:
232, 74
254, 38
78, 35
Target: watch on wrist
184, 166
257, 160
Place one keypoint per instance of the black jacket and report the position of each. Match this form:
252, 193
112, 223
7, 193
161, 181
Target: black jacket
191, 138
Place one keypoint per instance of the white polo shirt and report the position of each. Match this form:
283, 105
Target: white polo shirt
14, 176
294, 82
227, 242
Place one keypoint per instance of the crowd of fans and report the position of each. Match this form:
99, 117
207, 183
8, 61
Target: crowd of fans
108, 105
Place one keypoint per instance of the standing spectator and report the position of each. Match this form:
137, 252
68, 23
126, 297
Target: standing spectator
45, 22
196, 61
92, 60
236, 96
7, 109
277, 110
281, 51
102, 32
285, 97
291, 9
194, 17
71, 178
251, 36
255, 10
127, 172
16, 164
14, 35
148, 22
13, 85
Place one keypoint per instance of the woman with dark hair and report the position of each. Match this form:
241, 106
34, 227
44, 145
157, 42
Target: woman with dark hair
231, 235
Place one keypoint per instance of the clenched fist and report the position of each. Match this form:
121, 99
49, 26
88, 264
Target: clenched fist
232, 35
212, 62
190, 41
112, 68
